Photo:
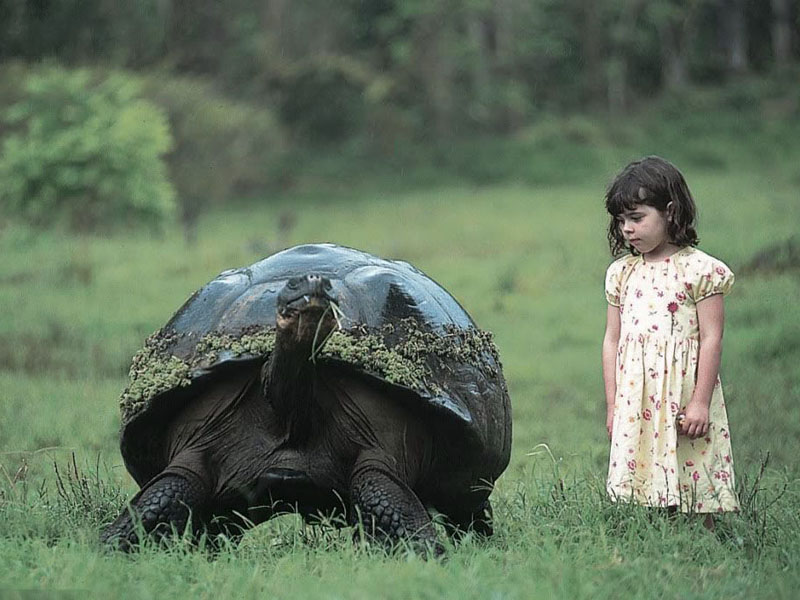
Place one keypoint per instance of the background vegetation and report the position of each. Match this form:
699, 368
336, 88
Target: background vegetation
255, 91
472, 138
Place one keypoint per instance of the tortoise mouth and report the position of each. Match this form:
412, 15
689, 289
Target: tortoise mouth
307, 302
305, 294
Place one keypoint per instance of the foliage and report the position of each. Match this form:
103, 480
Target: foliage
436, 69
222, 149
85, 152
322, 99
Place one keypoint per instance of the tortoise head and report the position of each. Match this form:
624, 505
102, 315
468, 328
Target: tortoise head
304, 308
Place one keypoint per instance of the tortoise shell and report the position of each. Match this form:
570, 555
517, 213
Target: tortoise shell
397, 327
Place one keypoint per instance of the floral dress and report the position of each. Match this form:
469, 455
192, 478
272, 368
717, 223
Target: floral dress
656, 369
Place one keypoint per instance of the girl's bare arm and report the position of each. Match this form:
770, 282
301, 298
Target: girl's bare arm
711, 319
610, 343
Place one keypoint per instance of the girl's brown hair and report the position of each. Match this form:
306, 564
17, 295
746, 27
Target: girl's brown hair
657, 183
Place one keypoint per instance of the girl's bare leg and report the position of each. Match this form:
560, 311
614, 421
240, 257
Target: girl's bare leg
708, 521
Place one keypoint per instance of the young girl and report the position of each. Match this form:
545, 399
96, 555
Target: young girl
666, 418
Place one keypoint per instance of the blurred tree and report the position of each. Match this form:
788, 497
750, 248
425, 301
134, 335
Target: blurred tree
781, 31
222, 148
322, 98
675, 22
591, 27
80, 31
622, 17
734, 34
85, 153
416, 68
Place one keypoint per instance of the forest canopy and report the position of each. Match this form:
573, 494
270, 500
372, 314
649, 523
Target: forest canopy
433, 67
254, 91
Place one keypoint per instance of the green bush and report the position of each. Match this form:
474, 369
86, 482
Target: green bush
84, 151
323, 99
223, 148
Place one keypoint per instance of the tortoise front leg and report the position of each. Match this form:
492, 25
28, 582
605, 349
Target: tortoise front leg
388, 509
166, 502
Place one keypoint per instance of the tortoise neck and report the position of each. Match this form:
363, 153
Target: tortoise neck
288, 381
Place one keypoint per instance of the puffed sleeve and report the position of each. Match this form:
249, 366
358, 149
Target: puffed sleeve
712, 277
613, 281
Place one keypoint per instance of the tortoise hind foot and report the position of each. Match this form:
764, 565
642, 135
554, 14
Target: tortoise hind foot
479, 521
163, 504
390, 512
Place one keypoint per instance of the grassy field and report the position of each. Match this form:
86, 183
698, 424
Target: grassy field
527, 262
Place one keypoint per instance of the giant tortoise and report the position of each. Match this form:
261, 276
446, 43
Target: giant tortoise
321, 380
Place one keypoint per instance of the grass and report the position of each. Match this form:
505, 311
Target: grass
527, 260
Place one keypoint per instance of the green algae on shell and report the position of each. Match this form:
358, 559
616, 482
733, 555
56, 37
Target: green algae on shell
155, 370
402, 355
369, 352
252, 341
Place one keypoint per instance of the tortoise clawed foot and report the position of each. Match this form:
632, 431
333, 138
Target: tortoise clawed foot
388, 511
164, 505
426, 546
121, 535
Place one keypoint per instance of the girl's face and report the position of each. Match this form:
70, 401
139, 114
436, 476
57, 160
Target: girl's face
645, 229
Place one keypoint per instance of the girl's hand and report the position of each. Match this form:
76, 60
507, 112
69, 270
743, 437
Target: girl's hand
695, 424
610, 422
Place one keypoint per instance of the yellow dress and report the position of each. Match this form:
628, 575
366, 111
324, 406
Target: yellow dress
656, 369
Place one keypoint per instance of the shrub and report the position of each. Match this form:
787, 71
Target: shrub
85, 151
323, 99
222, 148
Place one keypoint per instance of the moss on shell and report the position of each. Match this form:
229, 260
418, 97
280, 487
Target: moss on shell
401, 354
369, 352
251, 342
153, 371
